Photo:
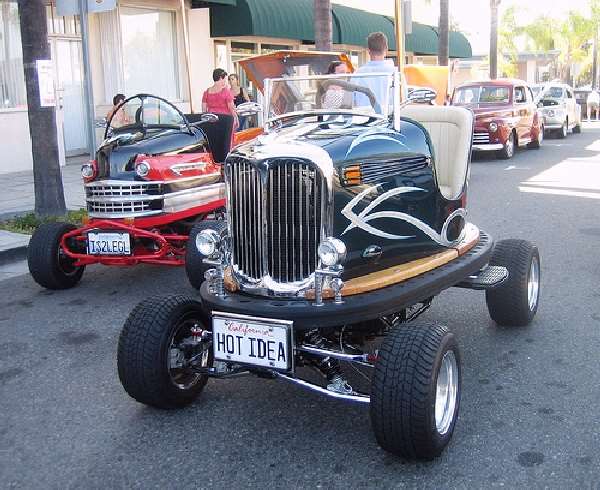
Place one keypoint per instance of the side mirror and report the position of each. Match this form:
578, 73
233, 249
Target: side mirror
248, 109
422, 96
540, 105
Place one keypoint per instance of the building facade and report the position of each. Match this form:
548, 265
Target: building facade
169, 48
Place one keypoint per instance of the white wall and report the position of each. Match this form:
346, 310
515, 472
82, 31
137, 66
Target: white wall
202, 54
15, 144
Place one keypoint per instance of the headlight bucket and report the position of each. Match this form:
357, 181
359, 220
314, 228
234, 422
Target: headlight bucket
208, 242
142, 169
332, 252
493, 127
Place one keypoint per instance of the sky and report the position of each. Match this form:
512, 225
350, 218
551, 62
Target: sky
472, 16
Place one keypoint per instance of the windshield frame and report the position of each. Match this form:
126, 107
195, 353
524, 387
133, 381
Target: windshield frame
109, 130
393, 79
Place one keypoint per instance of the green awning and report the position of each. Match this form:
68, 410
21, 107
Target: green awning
265, 18
460, 47
208, 3
294, 19
352, 26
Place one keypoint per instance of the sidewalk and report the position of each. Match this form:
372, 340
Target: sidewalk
17, 196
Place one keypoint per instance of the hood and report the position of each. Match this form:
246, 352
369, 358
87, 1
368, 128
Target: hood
117, 155
340, 145
290, 63
489, 110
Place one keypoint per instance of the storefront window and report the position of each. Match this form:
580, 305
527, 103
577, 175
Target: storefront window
12, 80
221, 55
269, 48
149, 52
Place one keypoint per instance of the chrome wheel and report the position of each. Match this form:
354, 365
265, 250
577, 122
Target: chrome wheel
446, 393
533, 283
564, 129
540, 137
186, 352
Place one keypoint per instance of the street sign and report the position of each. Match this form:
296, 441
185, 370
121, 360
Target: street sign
46, 83
71, 7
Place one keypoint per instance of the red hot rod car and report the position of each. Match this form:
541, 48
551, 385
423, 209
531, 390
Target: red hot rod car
506, 115
156, 174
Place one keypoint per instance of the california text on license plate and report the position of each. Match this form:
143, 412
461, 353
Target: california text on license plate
109, 243
259, 341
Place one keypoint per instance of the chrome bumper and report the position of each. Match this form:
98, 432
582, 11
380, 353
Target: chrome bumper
487, 147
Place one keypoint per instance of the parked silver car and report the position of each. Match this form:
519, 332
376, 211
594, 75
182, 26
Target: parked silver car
560, 109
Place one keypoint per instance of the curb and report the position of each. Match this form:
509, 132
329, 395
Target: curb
13, 254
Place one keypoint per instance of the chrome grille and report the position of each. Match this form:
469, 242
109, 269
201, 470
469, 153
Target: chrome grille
275, 220
377, 171
123, 199
481, 138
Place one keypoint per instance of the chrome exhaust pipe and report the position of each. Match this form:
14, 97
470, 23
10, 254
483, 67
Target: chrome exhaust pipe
362, 359
352, 397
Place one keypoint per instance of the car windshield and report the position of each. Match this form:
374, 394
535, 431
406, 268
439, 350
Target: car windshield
481, 94
369, 94
553, 93
145, 111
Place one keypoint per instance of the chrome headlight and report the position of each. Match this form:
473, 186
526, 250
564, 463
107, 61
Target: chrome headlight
142, 169
87, 171
332, 252
493, 127
550, 113
208, 242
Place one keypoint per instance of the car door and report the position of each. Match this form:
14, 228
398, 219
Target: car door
525, 113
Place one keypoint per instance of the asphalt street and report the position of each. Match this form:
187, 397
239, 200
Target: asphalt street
529, 411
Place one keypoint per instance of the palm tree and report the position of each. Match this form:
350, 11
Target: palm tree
494, 39
323, 29
443, 34
48, 186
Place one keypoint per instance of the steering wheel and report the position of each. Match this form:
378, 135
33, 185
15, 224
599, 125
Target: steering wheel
354, 87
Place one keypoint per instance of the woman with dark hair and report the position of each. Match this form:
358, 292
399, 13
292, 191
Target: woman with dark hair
240, 96
121, 118
218, 98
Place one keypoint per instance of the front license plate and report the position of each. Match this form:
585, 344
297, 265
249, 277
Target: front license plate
109, 244
257, 341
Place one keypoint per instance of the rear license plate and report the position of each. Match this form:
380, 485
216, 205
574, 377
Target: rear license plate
257, 341
109, 244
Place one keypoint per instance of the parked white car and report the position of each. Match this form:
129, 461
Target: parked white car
560, 109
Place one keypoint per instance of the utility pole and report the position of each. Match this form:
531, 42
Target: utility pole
47, 179
88, 93
595, 59
494, 39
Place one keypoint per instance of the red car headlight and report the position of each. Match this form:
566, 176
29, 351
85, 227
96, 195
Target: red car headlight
89, 171
142, 168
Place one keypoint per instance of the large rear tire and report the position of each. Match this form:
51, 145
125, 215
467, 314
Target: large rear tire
49, 266
154, 346
515, 301
194, 261
415, 391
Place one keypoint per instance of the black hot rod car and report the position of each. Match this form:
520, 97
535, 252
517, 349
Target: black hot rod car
344, 220
156, 174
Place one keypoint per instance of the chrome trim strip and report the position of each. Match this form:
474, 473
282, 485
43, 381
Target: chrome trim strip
179, 201
135, 214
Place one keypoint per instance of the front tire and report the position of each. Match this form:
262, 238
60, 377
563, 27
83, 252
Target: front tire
195, 267
154, 346
49, 266
508, 150
515, 301
537, 143
564, 130
415, 391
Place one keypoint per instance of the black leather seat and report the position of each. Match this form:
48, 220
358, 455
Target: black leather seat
218, 134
